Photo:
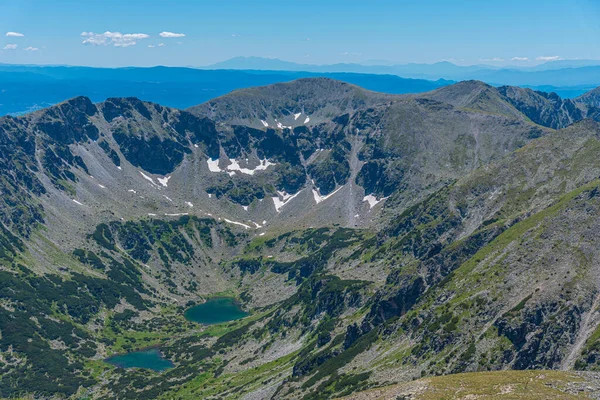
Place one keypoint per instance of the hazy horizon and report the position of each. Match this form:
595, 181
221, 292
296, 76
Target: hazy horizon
112, 34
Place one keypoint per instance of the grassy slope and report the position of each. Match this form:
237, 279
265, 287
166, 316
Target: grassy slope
517, 385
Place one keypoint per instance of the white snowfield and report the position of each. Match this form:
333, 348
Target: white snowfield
149, 179
164, 181
265, 124
286, 199
264, 164
306, 121
319, 198
231, 169
296, 116
372, 200
237, 223
213, 165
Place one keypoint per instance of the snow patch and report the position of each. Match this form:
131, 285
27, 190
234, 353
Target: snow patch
235, 166
245, 208
296, 116
195, 145
237, 223
132, 191
319, 198
76, 202
119, 168
176, 215
151, 215
167, 198
164, 181
307, 120
148, 178
189, 204
262, 234
372, 200
281, 126
280, 203
213, 165
265, 124
102, 186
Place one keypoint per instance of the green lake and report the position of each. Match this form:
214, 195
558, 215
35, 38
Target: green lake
215, 310
148, 358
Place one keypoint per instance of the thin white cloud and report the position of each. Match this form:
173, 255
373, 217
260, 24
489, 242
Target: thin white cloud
549, 58
14, 34
116, 39
495, 59
348, 53
10, 47
161, 45
519, 59
171, 35
151, 46
31, 48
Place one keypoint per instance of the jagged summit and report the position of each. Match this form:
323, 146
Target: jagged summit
545, 109
591, 98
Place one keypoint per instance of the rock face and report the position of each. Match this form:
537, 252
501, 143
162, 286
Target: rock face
372, 235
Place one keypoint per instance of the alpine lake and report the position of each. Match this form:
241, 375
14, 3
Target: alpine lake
213, 311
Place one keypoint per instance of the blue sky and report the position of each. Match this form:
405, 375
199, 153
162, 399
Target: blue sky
308, 31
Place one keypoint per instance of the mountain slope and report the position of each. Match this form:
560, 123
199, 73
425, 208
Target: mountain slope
383, 239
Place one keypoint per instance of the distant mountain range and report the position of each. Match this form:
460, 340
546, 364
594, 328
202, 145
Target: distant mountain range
569, 78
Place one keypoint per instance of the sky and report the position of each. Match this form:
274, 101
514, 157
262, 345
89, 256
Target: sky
111, 33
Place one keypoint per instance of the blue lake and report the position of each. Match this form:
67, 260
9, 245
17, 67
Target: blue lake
215, 310
148, 358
